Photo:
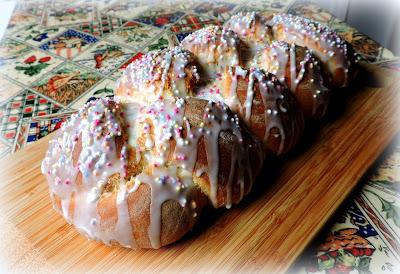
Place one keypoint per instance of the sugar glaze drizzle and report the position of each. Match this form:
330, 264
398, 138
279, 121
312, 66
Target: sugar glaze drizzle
99, 123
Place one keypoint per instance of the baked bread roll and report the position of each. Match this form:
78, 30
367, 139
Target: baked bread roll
336, 55
139, 176
268, 108
215, 50
158, 74
253, 32
296, 67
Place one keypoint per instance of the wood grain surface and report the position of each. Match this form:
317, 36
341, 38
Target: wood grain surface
293, 199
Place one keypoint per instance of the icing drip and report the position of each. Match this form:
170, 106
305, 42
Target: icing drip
275, 58
252, 30
97, 162
272, 99
324, 42
215, 49
249, 27
171, 177
145, 80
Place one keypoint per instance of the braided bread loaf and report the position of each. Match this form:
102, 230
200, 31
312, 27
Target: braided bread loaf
191, 126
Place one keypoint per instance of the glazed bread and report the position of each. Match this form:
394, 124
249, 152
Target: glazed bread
140, 176
190, 126
297, 67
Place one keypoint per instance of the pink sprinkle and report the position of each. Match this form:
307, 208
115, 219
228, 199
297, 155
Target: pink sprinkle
218, 91
108, 164
168, 117
97, 122
67, 181
57, 180
176, 110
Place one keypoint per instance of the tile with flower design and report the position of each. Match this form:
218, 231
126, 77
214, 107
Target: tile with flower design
11, 50
311, 11
125, 9
134, 34
216, 9
21, 19
69, 44
30, 67
104, 57
66, 83
64, 13
192, 22
353, 245
8, 89
160, 16
36, 34
121, 69
167, 40
104, 88
364, 45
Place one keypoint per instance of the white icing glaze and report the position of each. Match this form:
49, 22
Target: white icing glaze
144, 81
275, 58
271, 95
170, 178
214, 48
251, 28
97, 162
323, 41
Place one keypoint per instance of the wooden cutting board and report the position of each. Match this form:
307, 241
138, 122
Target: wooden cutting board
293, 199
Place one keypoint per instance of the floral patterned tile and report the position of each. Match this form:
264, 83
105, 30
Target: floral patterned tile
8, 89
367, 47
354, 244
104, 88
19, 20
10, 50
160, 16
101, 27
69, 44
104, 57
134, 34
164, 41
36, 34
66, 83
61, 13
30, 66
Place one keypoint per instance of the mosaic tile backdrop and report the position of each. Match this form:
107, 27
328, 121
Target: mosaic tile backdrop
56, 55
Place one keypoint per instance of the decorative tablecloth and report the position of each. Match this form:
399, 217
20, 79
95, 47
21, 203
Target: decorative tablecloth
56, 55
